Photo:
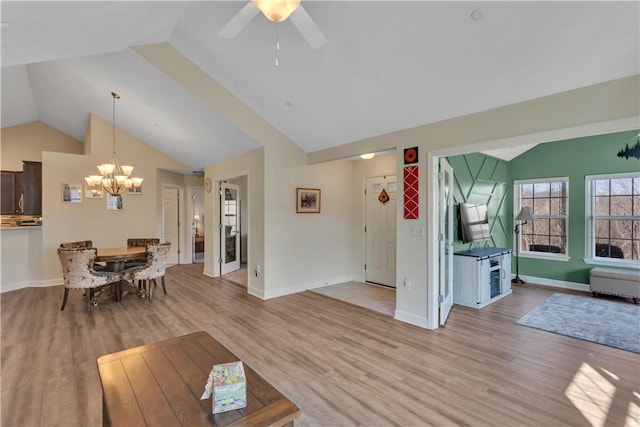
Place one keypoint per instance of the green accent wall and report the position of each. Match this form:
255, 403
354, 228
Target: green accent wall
483, 179
575, 159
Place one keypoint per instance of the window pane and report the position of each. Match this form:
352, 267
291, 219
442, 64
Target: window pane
602, 228
602, 187
542, 207
621, 205
635, 244
636, 205
556, 227
621, 186
558, 245
540, 226
541, 189
624, 249
558, 206
603, 205
621, 229
527, 191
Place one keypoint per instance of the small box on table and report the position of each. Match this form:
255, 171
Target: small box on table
228, 386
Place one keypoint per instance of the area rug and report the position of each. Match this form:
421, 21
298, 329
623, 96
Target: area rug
604, 322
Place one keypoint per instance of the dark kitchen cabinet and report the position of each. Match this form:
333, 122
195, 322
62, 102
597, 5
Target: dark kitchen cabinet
12, 192
32, 172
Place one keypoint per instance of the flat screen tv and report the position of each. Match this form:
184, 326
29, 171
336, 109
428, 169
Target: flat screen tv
474, 223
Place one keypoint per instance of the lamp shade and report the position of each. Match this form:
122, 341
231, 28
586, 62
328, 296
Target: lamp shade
525, 215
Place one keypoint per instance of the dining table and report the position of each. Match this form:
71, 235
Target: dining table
115, 258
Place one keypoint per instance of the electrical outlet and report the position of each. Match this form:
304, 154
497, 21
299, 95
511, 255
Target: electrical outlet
407, 285
258, 271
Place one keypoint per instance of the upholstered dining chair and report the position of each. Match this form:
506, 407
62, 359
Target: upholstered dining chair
142, 241
77, 245
78, 273
81, 244
139, 242
154, 268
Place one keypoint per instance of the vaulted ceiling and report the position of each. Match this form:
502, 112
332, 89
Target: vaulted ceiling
387, 66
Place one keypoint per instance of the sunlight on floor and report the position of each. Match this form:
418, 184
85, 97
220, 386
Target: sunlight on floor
591, 393
633, 415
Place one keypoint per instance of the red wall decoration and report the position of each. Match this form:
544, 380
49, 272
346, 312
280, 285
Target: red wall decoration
411, 194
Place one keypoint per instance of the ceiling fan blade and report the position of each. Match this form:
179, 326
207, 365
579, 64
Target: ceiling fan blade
308, 28
239, 21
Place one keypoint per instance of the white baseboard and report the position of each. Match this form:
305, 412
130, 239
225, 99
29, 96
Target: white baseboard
412, 319
36, 284
556, 283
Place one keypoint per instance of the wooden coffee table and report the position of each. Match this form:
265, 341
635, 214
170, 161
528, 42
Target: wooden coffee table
161, 384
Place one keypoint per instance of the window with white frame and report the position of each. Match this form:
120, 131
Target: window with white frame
548, 200
613, 218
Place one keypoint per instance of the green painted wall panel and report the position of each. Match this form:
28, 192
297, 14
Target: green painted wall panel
575, 159
483, 179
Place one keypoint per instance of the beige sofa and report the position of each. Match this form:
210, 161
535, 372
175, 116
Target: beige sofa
610, 281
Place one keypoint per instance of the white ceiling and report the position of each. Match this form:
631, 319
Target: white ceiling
387, 66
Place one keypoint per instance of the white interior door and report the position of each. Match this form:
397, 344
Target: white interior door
229, 228
171, 222
380, 231
445, 222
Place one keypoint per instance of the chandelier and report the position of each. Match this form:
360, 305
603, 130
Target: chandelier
113, 178
277, 10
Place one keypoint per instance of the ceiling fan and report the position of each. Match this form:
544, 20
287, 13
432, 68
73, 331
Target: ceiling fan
276, 11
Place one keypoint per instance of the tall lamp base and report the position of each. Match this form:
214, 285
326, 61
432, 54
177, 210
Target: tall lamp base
518, 280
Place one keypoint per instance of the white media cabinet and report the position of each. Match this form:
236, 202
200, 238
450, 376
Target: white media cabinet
481, 276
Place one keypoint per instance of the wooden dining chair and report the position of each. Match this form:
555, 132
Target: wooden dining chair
154, 268
78, 273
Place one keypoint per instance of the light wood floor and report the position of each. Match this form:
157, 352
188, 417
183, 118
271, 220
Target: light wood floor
342, 365
373, 297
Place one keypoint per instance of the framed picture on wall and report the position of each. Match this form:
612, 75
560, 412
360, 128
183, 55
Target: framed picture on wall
71, 193
114, 203
135, 190
307, 200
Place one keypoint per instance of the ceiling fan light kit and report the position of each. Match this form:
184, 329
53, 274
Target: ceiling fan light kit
276, 10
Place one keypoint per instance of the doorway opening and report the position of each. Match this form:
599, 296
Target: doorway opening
198, 225
233, 229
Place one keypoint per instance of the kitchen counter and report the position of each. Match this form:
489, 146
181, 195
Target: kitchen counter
18, 227
21, 261
16, 221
